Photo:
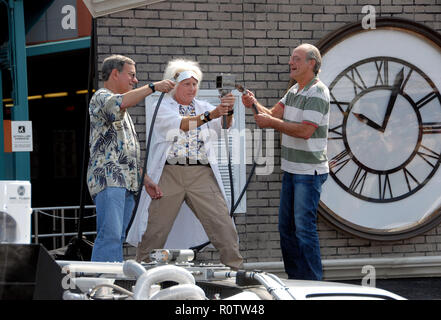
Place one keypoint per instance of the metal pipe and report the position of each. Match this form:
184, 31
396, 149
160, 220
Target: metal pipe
344, 269
180, 292
272, 284
65, 207
63, 229
91, 267
36, 227
50, 235
277, 279
54, 227
67, 295
273, 287
224, 274
131, 268
160, 274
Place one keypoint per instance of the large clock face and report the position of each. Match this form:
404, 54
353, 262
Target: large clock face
384, 143
383, 146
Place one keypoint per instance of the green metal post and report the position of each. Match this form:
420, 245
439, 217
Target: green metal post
20, 109
7, 171
2, 145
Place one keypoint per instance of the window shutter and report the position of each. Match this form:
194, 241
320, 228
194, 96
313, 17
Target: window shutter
237, 145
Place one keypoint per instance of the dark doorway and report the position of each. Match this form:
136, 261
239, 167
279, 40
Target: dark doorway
57, 106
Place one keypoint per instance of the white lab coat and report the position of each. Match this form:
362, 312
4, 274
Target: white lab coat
187, 231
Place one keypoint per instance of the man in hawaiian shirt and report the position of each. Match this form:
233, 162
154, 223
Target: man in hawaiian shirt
114, 170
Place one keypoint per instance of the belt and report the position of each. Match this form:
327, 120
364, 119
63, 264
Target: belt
186, 162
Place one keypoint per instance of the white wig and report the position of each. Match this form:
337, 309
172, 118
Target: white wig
176, 66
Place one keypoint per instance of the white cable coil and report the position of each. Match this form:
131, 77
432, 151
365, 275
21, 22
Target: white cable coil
131, 268
186, 288
180, 292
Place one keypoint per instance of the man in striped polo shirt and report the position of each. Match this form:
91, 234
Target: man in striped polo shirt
302, 117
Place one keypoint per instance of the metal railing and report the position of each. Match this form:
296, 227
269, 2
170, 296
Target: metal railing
58, 217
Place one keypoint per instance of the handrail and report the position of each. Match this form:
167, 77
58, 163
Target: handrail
58, 214
64, 207
50, 235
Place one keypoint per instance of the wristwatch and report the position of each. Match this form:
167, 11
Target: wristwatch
205, 117
152, 87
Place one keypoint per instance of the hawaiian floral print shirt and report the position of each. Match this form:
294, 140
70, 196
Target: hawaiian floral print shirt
187, 144
114, 147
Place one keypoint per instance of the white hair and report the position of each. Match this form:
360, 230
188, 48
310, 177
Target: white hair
174, 67
312, 53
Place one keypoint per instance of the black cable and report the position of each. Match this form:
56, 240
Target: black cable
144, 171
234, 206
91, 75
230, 168
79, 248
253, 168
251, 174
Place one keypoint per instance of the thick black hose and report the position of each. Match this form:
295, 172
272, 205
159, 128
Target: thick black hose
144, 171
90, 78
233, 205
230, 169
253, 168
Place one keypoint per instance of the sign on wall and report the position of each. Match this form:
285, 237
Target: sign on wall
18, 136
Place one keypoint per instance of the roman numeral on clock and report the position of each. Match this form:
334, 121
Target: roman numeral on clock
410, 177
382, 67
426, 99
428, 155
337, 131
339, 104
358, 180
356, 80
384, 186
339, 161
431, 127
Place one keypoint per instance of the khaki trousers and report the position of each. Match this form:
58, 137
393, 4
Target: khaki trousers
197, 186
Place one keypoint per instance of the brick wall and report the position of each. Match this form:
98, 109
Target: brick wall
253, 39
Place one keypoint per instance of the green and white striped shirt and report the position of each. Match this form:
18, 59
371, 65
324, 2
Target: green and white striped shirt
310, 105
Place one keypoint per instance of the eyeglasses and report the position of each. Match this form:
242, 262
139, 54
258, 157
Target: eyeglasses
131, 74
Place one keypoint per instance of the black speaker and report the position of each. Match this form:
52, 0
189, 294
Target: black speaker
28, 272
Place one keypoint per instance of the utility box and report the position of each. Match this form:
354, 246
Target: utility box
15, 212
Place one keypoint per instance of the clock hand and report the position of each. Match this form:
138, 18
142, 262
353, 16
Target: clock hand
393, 97
368, 121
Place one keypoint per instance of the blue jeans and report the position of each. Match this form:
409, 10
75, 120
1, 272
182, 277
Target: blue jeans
299, 239
114, 208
